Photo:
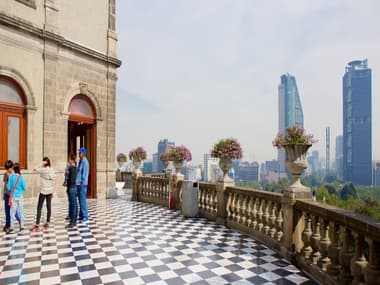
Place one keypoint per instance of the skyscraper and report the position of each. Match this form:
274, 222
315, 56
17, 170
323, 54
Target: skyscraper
327, 150
289, 109
208, 164
357, 123
163, 146
339, 156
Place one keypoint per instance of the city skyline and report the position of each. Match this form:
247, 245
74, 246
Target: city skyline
196, 72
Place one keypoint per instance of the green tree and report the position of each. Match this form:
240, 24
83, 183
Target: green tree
348, 191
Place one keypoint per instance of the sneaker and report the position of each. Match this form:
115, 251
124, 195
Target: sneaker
46, 225
67, 218
9, 231
71, 225
5, 228
83, 220
36, 228
22, 230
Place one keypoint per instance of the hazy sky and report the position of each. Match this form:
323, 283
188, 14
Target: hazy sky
195, 71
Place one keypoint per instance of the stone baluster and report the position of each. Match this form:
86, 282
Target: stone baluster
249, 211
272, 219
345, 257
260, 215
334, 267
372, 271
201, 199
324, 244
233, 207
359, 262
243, 218
315, 238
215, 202
306, 237
254, 214
238, 208
266, 217
229, 205
279, 220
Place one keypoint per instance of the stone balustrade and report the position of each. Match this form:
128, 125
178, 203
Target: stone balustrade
333, 245
153, 190
256, 212
338, 246
208, 201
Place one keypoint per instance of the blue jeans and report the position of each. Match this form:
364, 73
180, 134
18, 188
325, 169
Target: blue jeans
8, 211
73, 206
82, 198
17, 206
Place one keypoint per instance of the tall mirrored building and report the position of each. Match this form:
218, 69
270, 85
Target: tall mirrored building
290, 109
357, 123
163, 146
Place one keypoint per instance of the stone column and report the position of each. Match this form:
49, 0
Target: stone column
135, 185
293, 226
221, 215
177, 190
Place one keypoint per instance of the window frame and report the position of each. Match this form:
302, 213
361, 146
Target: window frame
13, 110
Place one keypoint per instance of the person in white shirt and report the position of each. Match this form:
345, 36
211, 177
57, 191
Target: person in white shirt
47, 175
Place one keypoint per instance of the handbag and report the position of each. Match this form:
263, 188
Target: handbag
10, 204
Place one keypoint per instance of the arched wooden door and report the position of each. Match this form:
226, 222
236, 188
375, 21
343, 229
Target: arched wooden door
82, 133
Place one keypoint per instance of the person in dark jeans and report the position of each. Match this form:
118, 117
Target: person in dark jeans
83, 171
9, 169
72, 190
47, 175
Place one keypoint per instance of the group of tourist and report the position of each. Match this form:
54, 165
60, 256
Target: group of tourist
76, 181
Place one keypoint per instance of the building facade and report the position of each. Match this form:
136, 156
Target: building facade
339, 156
163, 146
248, 171
357, 123
289, 110
209, 163
58, 65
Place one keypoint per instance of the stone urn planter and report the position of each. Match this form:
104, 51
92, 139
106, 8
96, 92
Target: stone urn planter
178, 165
136, 165
121, 160
296, 162
225, 165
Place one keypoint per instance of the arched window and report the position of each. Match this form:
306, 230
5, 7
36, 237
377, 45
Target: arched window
81, 109
12, 122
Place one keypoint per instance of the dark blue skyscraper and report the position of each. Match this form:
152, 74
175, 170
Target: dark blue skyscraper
357, 123
163, 146
290, 109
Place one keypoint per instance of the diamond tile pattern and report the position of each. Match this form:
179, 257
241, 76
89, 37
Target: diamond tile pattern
129, 242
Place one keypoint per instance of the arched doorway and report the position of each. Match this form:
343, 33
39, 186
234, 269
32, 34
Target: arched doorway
82, 133
12, 122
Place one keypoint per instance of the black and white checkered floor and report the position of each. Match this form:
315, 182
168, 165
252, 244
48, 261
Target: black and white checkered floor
135, 243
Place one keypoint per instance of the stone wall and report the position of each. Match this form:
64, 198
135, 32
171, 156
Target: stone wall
54, 52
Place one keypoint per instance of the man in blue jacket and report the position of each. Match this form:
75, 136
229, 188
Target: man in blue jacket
82, 183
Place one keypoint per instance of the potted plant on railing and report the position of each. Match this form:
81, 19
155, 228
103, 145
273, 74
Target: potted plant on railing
137, 155
296, 144
227, 150
164, 157
179, 154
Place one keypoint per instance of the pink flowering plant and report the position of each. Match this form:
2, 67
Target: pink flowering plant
179, 154
227, 148
164, 157
138, 153
294, 135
